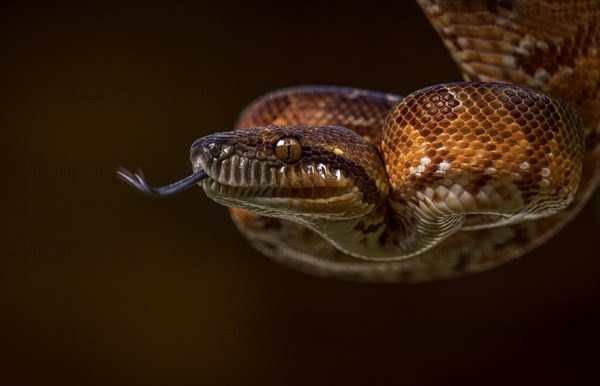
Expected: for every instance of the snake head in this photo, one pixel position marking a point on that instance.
(284, 171)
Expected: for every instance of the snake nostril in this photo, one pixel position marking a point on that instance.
(216, 141)
(214, 150)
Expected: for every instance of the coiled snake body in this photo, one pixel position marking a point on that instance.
(453, 178)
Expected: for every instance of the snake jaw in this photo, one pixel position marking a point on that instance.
(253, 185)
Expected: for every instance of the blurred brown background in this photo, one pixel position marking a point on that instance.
(102, 285)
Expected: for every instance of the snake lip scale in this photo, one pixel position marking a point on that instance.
(363, 185)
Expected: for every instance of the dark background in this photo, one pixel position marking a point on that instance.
(100, 285)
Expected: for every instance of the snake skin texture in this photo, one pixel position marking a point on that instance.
(452, 179)
(444, 150)
(520, 151)
(514, 42)
(551, 45)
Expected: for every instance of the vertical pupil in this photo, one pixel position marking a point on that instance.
(288, 150)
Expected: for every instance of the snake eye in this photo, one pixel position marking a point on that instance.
(288, 150)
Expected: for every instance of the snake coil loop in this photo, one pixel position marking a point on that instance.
(451, 179)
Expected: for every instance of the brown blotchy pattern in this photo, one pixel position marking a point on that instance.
(506, 142)
(551, 45)
(360, 110)
(480, 142)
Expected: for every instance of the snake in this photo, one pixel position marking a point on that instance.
(452, 179)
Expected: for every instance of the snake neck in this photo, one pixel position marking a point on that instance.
(386, 233)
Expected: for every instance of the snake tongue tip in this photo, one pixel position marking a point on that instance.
(124, 174)
(138, 181)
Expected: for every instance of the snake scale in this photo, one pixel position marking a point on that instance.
(452, 179)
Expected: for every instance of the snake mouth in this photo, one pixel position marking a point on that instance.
(267, 194)
(317, 201)
(240, 178)
(235, 180)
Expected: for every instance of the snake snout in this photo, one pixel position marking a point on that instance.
(207, 149)
(214, 143)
